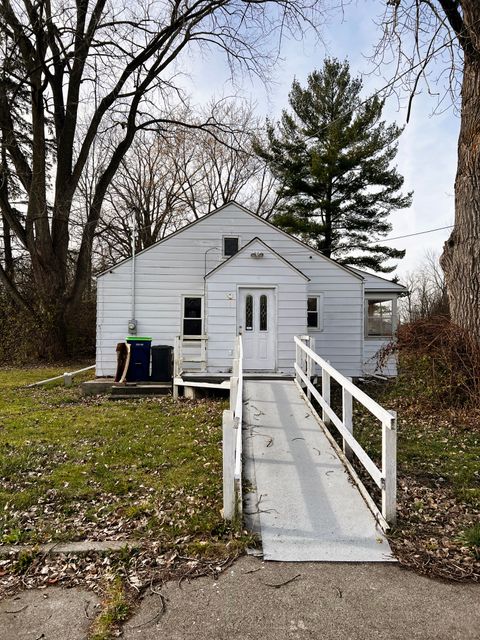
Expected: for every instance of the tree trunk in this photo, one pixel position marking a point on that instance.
(54, 332)
(461, 255)
(7, 248)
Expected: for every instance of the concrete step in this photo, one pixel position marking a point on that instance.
(141, 390)
(137, 396)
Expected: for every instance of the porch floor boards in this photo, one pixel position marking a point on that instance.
(307, 506)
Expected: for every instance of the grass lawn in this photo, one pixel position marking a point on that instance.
(73, 468)
(438, 528)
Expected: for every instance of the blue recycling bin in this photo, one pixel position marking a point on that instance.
(139, 367)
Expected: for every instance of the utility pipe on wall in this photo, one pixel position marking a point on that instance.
(132, 323)
(205, 305)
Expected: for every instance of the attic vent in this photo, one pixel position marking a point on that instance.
(230, 246)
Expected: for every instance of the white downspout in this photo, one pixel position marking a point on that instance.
(132, 323)
(205, 301)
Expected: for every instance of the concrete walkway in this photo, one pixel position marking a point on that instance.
(256, 600)
(48, 614)
(324, 602)
(308, 507)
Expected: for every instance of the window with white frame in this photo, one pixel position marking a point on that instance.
(315, 312)
(192, 316)
(230, 246)
(380, 317)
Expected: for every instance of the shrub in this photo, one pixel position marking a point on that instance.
(441, 360)
(24, 339)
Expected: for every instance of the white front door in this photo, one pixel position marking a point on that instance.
(257, 322)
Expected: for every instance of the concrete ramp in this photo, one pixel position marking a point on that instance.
(307, 505)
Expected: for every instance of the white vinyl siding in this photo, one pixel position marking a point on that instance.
(372, 364)
(177, 266)
(222, 298)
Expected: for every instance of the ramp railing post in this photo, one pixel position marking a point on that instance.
(228, 445)
(297, 362)
(325, 394)
(347, 418)
(233, 391)
(203, 354)
(389, 468)
(310, 365)
(177, 364)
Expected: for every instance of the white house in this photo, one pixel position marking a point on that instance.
(232, 271)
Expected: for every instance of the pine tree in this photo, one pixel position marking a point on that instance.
(332, 156)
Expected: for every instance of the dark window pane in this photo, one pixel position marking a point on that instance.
(312, 304)
(312, 319)
(192, 327)
(230, 246)
(193, 308)
(263, 313)
(249, 313)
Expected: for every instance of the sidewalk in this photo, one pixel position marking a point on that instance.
(325, 602)
(322, 601)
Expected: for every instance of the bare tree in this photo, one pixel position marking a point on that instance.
(112, 65)
(172, 177)
(447, 33)
(427, 291)
(146, 194)
(226, 167)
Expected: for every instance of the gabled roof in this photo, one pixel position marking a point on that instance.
(248, 246)
(254, 215)
(381, 284)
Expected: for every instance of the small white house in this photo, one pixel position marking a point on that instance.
(232, 271)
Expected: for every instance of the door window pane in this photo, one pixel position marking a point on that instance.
(248, 313)
(263, 312)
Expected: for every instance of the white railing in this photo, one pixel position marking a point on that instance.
(232, 439)
(386, 477)
(183, 357)
(67, 377)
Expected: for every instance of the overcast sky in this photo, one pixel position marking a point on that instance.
(427, 154)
